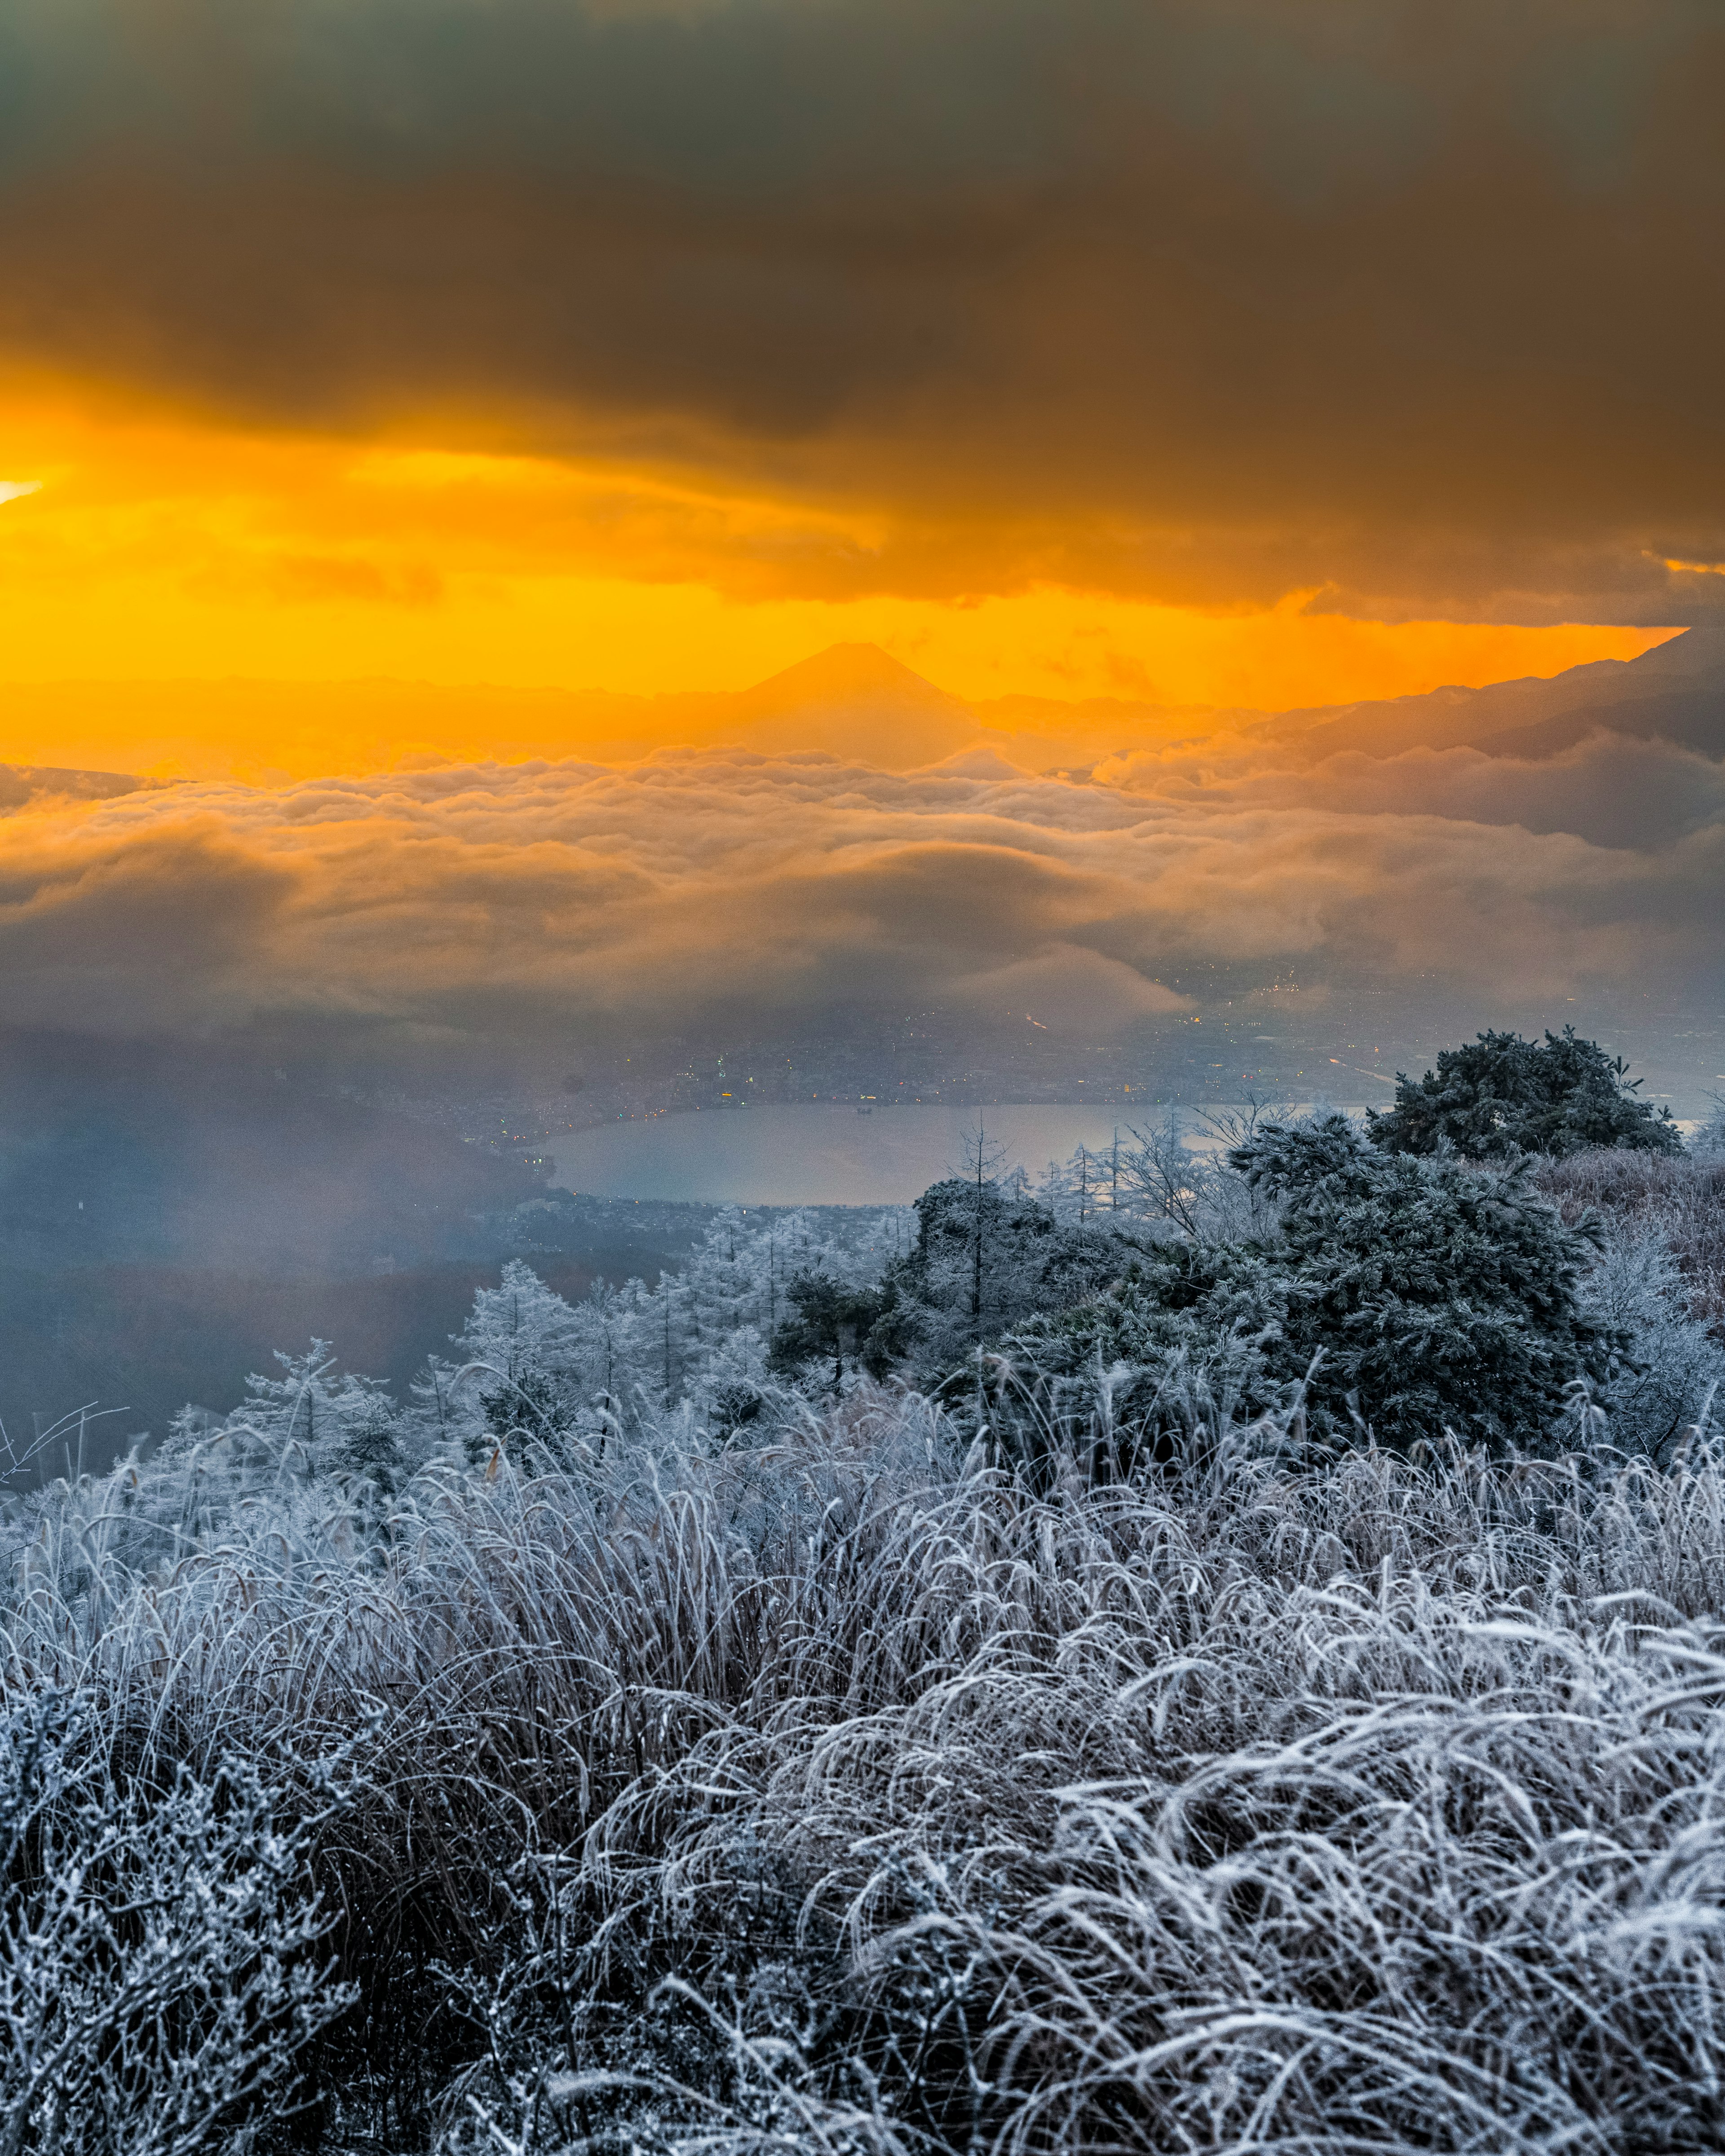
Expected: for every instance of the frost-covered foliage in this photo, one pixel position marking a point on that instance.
(1393, 1295)
(988, 1256)
(1667, 1364)
(1171, 1181)
(546, 1381)
(549, 1373)
(1661, 1275)
(160, 1954)
(838, 1792)
(831, 1324)
(1085, 1757)
(1500, 1094)
(991, 1252)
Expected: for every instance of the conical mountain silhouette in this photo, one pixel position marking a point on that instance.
(846, 671)
(854, 699)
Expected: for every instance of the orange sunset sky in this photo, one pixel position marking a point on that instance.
(1260, 354)
(152, 546)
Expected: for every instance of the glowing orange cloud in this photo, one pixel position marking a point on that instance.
(140, 546)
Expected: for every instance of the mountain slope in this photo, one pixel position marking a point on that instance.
(853, 700)
(1676, 692)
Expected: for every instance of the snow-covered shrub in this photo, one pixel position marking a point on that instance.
(1669, 1369)
(1395, 1296)
(987, 1257)
(161, 1957)
(1680, 1201)
(1500, 1094)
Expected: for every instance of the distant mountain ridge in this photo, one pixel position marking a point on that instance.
(857, 700)
(1675, 692)
(854, 700)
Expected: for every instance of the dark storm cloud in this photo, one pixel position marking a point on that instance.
(1207, 299)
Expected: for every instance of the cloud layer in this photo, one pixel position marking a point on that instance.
(1209, 303)
(415, 913)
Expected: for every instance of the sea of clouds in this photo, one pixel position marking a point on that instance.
(477, 902)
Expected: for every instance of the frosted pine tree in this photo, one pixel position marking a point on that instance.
(322, 1422)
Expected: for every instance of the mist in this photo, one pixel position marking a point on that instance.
(285, 1059)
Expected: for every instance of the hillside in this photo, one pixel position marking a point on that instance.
(1675, 692)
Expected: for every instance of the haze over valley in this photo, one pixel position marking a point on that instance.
(298, 1061)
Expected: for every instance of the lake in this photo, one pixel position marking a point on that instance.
(817, 1155)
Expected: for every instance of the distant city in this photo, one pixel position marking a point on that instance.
(1245, 1038)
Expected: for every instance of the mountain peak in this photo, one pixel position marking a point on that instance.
(848, 673)
(1692, 651)
(855, 700)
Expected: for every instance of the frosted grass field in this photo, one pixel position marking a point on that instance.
(751, 1764)
(840, 1794)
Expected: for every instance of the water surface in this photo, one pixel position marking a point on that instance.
(818, 1154)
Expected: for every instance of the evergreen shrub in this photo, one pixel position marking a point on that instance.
(1407, 1295)
(1500, 1096)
